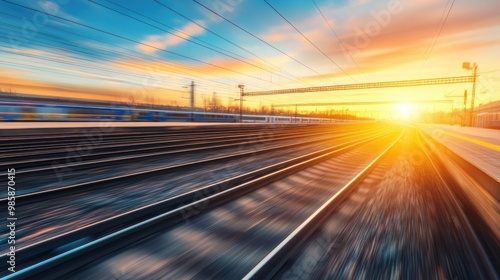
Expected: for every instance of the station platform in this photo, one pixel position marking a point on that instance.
(478, 146)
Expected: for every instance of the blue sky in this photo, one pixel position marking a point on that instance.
(91, 49)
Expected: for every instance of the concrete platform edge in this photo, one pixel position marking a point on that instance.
(490, 184)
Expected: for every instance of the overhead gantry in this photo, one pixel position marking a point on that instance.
(387, 84)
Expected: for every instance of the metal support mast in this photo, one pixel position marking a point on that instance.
(473, 67)
(465, 108)
(192, 95)
(241, 101)
(295, 113)
(473, 96)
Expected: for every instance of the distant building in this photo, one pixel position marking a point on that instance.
(487, 115)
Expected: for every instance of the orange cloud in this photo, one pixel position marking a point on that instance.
(155, 42)
(401, 41)
(276, 37)
(215, 68)
(21, 85)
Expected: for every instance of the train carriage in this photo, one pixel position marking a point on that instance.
(214, 117)
(10, 112)
(16, 111)
(254, 119)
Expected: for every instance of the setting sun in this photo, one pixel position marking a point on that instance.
(269, 139)
(404, 111)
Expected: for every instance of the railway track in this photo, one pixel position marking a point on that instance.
(18, 147)
(74, 136)
(50, 156)
(105, 147)
(280, 221)
(133, 150)
(339, 241)
(89, 195)
(44, 146)
(215, 195)
(61, 198)
(44, 193)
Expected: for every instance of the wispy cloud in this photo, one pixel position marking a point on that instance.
(394, 43)
(22, 85)
(155, 42)
(223, 8)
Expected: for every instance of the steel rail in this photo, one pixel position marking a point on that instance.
(51, 193)
(148, 146)
(142, 130)
(119, 238)
(60, 143)
(273, 261)
(9, 144)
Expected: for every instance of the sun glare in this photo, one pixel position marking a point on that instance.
(403, 111)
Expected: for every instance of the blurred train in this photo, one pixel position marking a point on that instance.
(16, 111)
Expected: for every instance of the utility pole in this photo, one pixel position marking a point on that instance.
(473, 67)
(192, 95)
(474, 75)
(241, 101)
(295, 113)
(214, 102)
(465, 108)
(463, 117)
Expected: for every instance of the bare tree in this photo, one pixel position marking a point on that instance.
(206, 102)
(7, 90)
(264, 109)
(216, 104)
(132, 99)
(152, 100)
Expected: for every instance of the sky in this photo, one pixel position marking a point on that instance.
(150, 51)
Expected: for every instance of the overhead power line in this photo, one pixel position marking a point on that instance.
(178, 36)
(258, 38)
(53, 40)
(436, 34)
(336, 36)
(263, 61)
(305, 37)
(137, 42)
